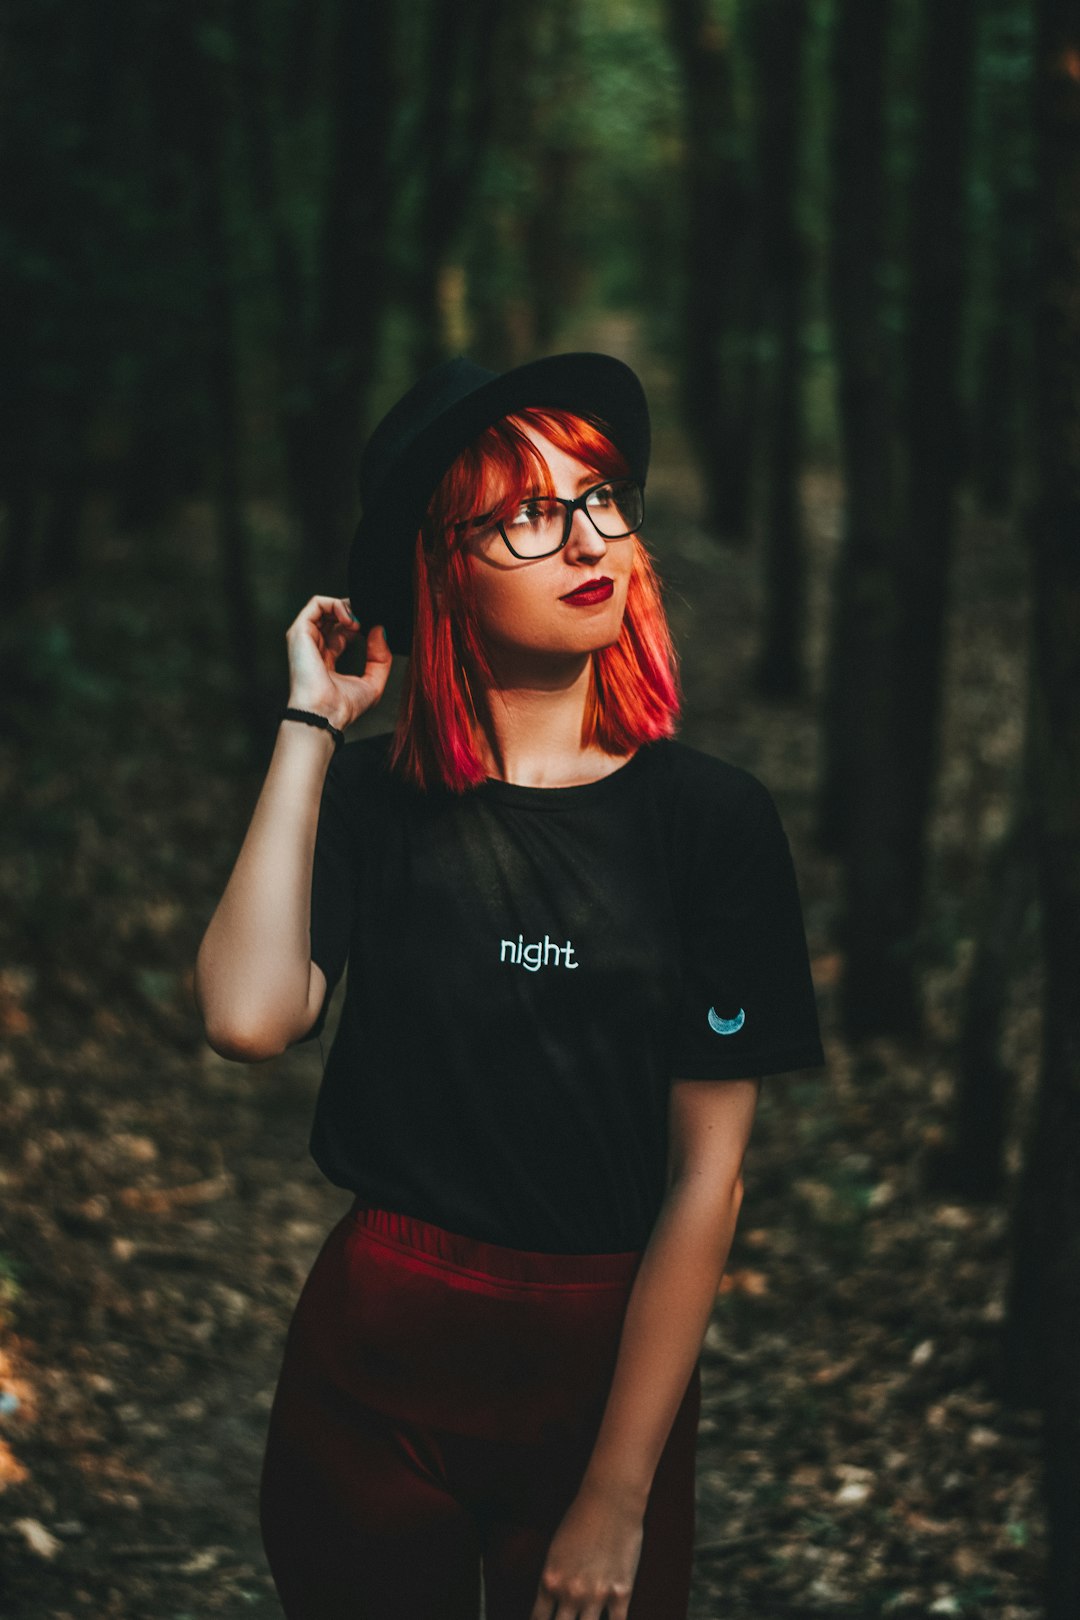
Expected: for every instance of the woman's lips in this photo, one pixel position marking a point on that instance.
(594, 590)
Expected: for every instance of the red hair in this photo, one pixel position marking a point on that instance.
(633, 695)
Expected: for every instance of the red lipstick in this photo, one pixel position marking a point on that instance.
(593, 590)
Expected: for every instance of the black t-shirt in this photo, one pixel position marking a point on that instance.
(529, 969)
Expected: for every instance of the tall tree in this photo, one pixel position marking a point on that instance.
(1043, 1317)
(168, 437)
(459, 100)
(999, 416)
(719, 363)
(779, 34)
(887, 785)
(555, 158)
(76, 262)
(861, 586)
(934, 451)
(523, 275)
(351, 281)
(209, 82)
(328, 320)
(857, 807)
(24, 164)
(972, 1163)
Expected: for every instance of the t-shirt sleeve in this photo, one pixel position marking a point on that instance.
(748, 1006)
(334, 876)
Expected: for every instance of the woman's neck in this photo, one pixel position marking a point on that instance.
(534, 725)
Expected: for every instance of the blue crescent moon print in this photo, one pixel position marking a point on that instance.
(726, 1026)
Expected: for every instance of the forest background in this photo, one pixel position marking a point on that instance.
(840, 241)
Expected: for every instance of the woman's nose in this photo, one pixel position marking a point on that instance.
(584, 539)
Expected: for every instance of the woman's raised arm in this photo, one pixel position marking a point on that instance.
(255, 985)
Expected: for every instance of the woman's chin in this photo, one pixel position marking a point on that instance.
(598, 633)
(576, 643)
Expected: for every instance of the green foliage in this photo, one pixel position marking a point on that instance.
(580, 186)
(628, 123)
(576, 201)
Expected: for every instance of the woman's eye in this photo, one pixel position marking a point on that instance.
(528, 512)
(602, 496)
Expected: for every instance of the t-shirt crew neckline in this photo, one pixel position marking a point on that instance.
(561, 798)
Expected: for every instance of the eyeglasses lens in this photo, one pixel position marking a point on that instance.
(616, 509)
(538, 525)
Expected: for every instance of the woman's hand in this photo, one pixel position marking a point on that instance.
(315, 641)
(592, 1560)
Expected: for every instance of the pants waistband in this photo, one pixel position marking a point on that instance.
(494, 1259)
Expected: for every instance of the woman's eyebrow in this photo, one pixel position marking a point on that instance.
(477, 522)
(588, 480)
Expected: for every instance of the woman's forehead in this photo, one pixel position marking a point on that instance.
(502, 480)
(543, 467)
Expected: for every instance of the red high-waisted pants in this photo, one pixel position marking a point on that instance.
(437, 1405)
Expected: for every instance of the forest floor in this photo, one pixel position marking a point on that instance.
(160, 1211)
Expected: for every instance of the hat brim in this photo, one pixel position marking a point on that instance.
(381, 556)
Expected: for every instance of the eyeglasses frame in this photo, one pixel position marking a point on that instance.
(569, 507)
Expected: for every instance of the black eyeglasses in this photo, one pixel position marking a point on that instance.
(541, 524)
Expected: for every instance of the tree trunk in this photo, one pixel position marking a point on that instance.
(721, 282)
(858, 806)
(221, 357)
(854, 704)
(168, 442)
(70, 479)
(352, 288)
(880, 993)
(291, 316)
(554, 272)
(552, 280)
(1003, 366)
(934, 440)
(780, 27)
(65, 152)
(19, 473)
(973, 1163)
(460, 98)
(328, 327)
(522, 276)
(1043, 1324)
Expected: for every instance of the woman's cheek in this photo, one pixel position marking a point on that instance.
(516, 604)
(504, 615)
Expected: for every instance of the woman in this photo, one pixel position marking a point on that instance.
(574, 945)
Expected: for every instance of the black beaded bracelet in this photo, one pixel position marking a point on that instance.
(315, 720)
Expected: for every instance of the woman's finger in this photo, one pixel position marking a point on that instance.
(378, 648)
(377, 661)
(328, 623)
(321, 607)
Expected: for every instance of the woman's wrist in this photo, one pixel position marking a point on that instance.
(336, 716)
(629, 1497)
(320, 739)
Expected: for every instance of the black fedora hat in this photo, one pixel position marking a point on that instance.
(443, 412)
